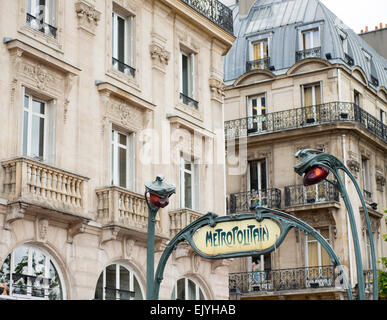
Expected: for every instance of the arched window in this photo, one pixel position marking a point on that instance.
(117, 282)
(187, 289)
(30, 273)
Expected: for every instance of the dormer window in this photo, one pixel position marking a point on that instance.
(259, 56)
(310, 44)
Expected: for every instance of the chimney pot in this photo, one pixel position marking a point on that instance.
(362, 31)
(366, 29)
(381, 25)
(376, 27)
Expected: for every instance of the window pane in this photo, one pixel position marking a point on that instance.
(110, 292)
(180, 289)
(37, 136)
(122, 167)
(188, 190)
(26, 101)
(38, 107)
(121, 41)
(55, 285)
(21, 260)
(122, 138)
(187, 165)
(137, 290)
(312, 254)
(317, 94)
(25, 133)
(201, 295)
(308, 97)
(316, 39)
(38, 263)
(191, 290)
(113, 165)
(98, 289)
(185, 75)
(263, 175)
(124, 279)
(5, 272)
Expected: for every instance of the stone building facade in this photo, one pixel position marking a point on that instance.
(97, 98)
(298, 78)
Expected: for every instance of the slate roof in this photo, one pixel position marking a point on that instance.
(281, 20)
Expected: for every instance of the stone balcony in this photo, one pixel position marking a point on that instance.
(120, 207)
(179, 219)
(32, 183)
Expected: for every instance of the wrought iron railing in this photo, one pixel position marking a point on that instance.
(349, 59)
(39, 24)
(299, 195)
(261, 64)
(188, 101)
(215, 11)
(308, 53)
(118, 294)
(284, 279)
(245, 201)
(304, 117)
(123, 67)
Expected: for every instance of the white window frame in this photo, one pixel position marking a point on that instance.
(195, 184)
(197, 288)
(365, 172)
(48, 259)
(128, 45)
(132, 275)
(259, 42)
(312, 37)
(130, 161)
(191, 73)
(49, 17)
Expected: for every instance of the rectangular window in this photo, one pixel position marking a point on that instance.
(122, 43)
(122, 163)
(383, 117)
(356, 98)
(41, 15)
(310, 39)
(189, 183)
(260, 50)
(312, 99)
(256, 112)
(187, 79)
(365, 174)
(315, 255)
(35, 128)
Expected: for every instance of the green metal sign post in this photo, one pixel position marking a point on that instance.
(311, 162)
(253, 234)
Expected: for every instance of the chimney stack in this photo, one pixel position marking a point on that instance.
(366, 29)
(381, 25)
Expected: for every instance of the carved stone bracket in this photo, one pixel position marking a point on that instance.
(75, 229)
(108, 234)
(354, 166)
(215, 264)
(159, 54)
(14, 212)
(380, 179)
(88, 16)
(217, 88)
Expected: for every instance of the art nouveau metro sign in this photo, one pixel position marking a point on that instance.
(236, 237)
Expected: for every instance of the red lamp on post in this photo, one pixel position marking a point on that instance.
(315, 175)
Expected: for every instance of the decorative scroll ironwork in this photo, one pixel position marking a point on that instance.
(284, 279)
(244, 201)
(123, 67)
(304, 117)
(309, 53)
(188, 101)
(40, 25)
(215, 11)
(261, 64)
(300, 195)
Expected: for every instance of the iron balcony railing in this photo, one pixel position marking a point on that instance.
(215, 11)
(299, 195)
(305, 117)
(245, 201)
(261, 64)
(308, 53)
(123, 67)
(284, 279)
(188, 101)
(39, 24)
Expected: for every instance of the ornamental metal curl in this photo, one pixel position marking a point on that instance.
(310, 158)
(284, 220)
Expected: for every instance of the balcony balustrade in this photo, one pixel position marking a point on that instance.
(261, 64)
(308, 53)
(305, 117)
(215, 11)
(245, 201)
(284, 279)
(32, 182)
(299, 195)
(121, 207)
(179, 219)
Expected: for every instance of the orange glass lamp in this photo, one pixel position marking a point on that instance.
(315, 175)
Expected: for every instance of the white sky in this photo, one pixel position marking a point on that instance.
(356, 14)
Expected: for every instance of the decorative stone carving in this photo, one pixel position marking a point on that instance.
(380, 179)
(42, 76)
(108, 234)
(354, 166)
(217, 88)
(42, 230)
(88, 16)
(75, 229)
(159, 53)
(14, 212)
